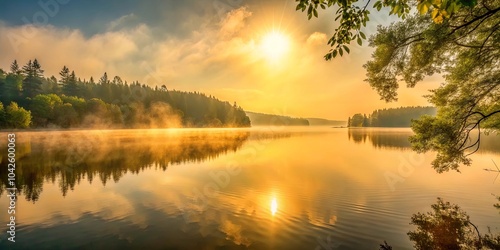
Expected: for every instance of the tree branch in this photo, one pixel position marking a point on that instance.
(476, 124)
(484, 16)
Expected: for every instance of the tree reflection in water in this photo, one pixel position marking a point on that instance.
(449, 227)
(398, 138)
(71, 156)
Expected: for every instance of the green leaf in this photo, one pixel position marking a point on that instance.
(347, 49)
(341, 52)
(360, 42)
(362, 35)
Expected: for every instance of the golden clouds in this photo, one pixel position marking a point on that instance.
(317, 38)
(234, 21)
(270, 50)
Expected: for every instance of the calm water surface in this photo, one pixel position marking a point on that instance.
(260, 188)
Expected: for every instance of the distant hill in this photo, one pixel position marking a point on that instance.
(259, 119)
(393, 117)
(326, 122)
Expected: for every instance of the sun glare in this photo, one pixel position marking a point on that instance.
(274, 45)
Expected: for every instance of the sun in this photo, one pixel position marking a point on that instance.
(274, 45)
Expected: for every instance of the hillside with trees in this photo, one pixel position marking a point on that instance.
(393, 117)
(28, 99)
(259, 119)
(325, 122)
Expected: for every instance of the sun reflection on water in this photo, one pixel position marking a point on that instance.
(274, 206)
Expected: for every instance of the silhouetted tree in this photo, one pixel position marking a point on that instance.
(14, 68)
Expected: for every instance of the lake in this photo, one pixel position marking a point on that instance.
(258, 188)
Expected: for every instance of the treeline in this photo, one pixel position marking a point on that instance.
(259, 119)
(32, 100)
(393, 117)
(325, 122)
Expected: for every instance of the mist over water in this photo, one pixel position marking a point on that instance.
(259, 188)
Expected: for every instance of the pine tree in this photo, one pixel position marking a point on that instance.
(37, 69)
(32, 79)
(14, 68)
(28, 69)
(70, 88)
(64, 73)
(104, 79)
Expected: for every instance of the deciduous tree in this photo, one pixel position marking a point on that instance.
(457, 39)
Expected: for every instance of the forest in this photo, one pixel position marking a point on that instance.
(393, 117)
(28, 99)
(325, 122)
(259, 119)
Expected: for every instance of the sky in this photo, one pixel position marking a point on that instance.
(263, 55)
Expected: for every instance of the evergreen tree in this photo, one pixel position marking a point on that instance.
(64, 73)
(12, 88)
(28, 69)
(70, 87)
(14, 68)
(104, 79)
(32, 79)
(37, 69)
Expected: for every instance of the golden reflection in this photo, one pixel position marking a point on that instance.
(71, 156)
(274, 206)
(308, 195)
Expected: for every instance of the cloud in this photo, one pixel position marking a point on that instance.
(234, 21)
(317, 38)
(123, 22)
(56, 47)
(215, 54)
